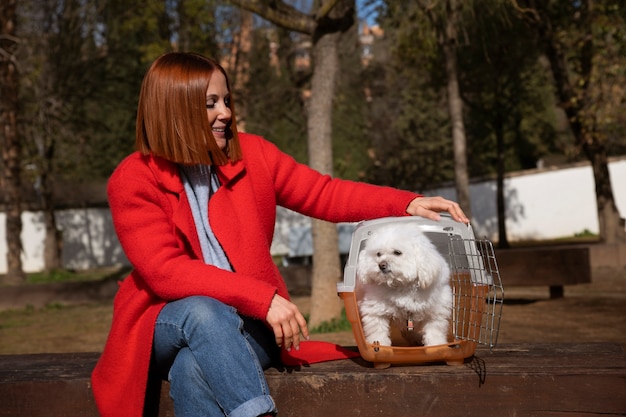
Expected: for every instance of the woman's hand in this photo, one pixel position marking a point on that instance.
(430, 207)
(287, 323)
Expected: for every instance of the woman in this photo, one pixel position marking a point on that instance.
(194, 209)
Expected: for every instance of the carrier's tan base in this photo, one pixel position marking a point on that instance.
(468, 312)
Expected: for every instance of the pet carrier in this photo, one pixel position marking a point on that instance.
(476, 288)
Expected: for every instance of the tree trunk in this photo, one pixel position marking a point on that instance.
(325, 24)
(325, 305)
(611, 224)
(503, 241)
(53, 244)
(455, 108)
(54, 238)
(577, 105)
(11, 146)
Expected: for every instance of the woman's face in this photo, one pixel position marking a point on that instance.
(218, 108)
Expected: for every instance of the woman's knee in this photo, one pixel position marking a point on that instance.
(210, 314)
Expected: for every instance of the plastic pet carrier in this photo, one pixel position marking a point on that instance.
(476, 288)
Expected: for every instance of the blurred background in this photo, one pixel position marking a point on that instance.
(515, 108)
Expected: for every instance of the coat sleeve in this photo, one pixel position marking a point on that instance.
(308, 192)
(148, 225)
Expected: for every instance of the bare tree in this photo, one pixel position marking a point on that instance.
(324, 25)
(444, 18)
(11, 147)
(577, 96)
(455, 106)
(53, 71)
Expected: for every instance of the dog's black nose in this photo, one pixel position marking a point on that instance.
(384, 267)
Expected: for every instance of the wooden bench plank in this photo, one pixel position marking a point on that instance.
(519, 379)
(47, 385)
(523, 380)
(562, 265)
(554, 267)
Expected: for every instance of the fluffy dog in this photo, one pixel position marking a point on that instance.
(403, 281)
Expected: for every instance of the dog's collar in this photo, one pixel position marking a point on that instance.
(409, 324)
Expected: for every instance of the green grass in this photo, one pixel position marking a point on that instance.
(16, 318)
(67, 275)
(585, 234)
(334, 325)
(55, 328)
(62, 275)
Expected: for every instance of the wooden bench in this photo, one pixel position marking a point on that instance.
(554, 267)
(521, 379)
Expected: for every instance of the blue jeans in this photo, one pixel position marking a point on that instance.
(214, 359)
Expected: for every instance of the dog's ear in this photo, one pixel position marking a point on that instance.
(363, 267)
(430, 264)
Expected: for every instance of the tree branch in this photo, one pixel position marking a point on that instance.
(526, 12)
(325, 9)
(280, 14)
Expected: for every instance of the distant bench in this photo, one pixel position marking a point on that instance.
(550, 266)
(554, 267)
(519, 379)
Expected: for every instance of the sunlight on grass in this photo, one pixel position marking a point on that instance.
(340, 325)
(64, 275)
(55, 328)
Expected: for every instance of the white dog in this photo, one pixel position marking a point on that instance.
(403, 281)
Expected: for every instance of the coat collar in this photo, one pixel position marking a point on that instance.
(230, 172)
(168, 174)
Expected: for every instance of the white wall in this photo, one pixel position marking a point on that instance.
(541, 204)
(88, 240)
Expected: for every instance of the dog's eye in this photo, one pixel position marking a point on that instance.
(379, 254)
(397, 252)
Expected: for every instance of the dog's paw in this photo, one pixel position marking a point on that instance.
(382, 340)
(435, 337)
(373, 333)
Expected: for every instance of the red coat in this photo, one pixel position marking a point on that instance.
(155, 227)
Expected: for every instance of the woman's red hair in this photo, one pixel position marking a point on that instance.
(172, 120)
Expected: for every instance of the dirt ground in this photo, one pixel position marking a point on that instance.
(593, 312)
